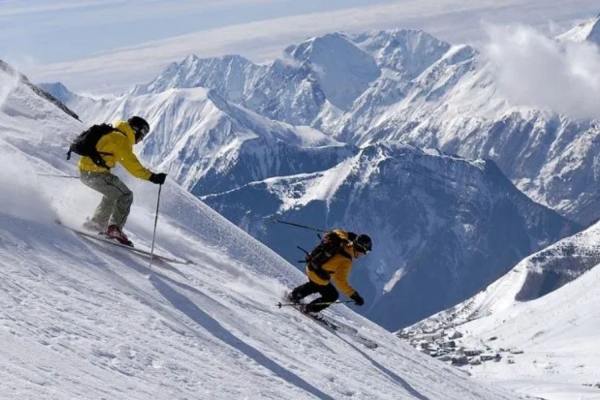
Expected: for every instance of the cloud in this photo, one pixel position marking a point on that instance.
(13, 8)
(16, 8)
(8, 82)
(535, 70)
(21, 197)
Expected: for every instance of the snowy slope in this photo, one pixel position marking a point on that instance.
(11, 76)
(557, 339)
(410, 201)
(82, 320)
(540, 319)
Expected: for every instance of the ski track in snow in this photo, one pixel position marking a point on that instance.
(82, 319)
(93, 325)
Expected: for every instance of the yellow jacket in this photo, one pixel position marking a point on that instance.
(118, 146)
(338, 266)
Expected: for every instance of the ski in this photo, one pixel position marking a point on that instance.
(348, 330)
(336, 327)
(145, 253)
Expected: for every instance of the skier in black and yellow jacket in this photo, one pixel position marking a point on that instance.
(332, 261)
(116, 147)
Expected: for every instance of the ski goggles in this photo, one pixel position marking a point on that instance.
(140, 133)
(143, 131)
(361, 249)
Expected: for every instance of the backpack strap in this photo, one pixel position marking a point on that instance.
(319, 271)
(344, 253)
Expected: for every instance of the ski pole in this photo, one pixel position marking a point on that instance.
(280, 304)
(310, 228)
(155, 224)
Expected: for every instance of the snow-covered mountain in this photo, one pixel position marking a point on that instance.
(314, 82)
(340, 69)
(81, 102)
(410, 201)
(214, 145)
(233, 156)
(455, 105)
(79, 319)
(536, 323)
(586, 31)
(230, 76)
(407, 86)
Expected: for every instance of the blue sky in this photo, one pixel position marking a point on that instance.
(109, 45)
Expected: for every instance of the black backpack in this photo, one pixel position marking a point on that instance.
(330, 245)
(85, 143)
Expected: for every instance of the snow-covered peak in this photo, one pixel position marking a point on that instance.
(315, 81)
(313, 49)
(405, 50)
(228, 75)
(594, 35)
(58, 90)
(342, 69)
(586, 31)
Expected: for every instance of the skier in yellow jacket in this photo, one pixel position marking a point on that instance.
(116, 147)
(331, 261)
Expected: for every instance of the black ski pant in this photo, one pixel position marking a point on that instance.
(328, 293)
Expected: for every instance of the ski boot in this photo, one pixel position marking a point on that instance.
(306, 309)
(289, 296)
(114, 232)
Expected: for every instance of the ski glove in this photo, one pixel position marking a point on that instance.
(159, 179)
(357, 299)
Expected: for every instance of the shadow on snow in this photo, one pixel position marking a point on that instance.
(200, 317)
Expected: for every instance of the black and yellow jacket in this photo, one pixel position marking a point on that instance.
(337, 267)
(117, 146)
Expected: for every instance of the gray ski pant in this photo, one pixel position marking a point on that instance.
(116, 201)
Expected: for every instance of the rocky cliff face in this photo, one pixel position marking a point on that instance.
(442, 226)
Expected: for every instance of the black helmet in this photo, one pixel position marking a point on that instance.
(363, 243)
(139, 126)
